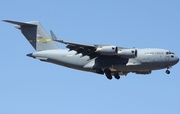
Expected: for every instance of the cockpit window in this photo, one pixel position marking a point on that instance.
(169, 52)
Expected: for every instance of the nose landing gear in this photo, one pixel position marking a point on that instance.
(167, 71)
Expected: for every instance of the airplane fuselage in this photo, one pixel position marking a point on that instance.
(146, 60)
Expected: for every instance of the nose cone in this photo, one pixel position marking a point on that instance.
(176, 60)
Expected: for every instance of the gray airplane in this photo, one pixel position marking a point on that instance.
(102, 59)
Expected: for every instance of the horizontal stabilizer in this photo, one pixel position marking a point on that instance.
(19, 23)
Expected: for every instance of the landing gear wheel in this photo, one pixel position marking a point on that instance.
(108, 73)
(167, 72)
(116, 75)
(109, 77)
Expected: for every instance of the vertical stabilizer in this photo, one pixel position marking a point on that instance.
(35, 34)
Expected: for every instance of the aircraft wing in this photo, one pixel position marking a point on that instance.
(96, 50)
(84, 49)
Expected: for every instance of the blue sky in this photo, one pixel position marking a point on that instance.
(32, 87)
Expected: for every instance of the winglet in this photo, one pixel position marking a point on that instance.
(53, 36)
(66, 42)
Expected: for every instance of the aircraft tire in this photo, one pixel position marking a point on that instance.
(108, 73)
(167, 72)
(117, 77)
(108, 76)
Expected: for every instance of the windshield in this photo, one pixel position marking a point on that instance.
(169, 52)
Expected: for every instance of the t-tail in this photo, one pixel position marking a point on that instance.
(35, 34)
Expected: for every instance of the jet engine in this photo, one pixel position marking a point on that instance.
(127, 53)
(107, 50)
(113, 50)
(143, 72)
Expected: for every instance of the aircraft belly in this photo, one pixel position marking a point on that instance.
(71, 61)
(63, 57)
(114, 64)
(77, 61)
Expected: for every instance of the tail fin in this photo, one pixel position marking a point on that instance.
(35, 34)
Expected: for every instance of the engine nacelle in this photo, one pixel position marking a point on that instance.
(143, 72)
(107, 50)
(127, 53)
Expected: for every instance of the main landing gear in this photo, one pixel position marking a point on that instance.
(109, 74)
(116, 75)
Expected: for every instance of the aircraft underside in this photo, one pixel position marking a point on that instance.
(114, 71)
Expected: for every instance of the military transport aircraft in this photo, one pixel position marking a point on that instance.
(102, 59)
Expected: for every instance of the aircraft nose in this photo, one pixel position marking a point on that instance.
(176, 59)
